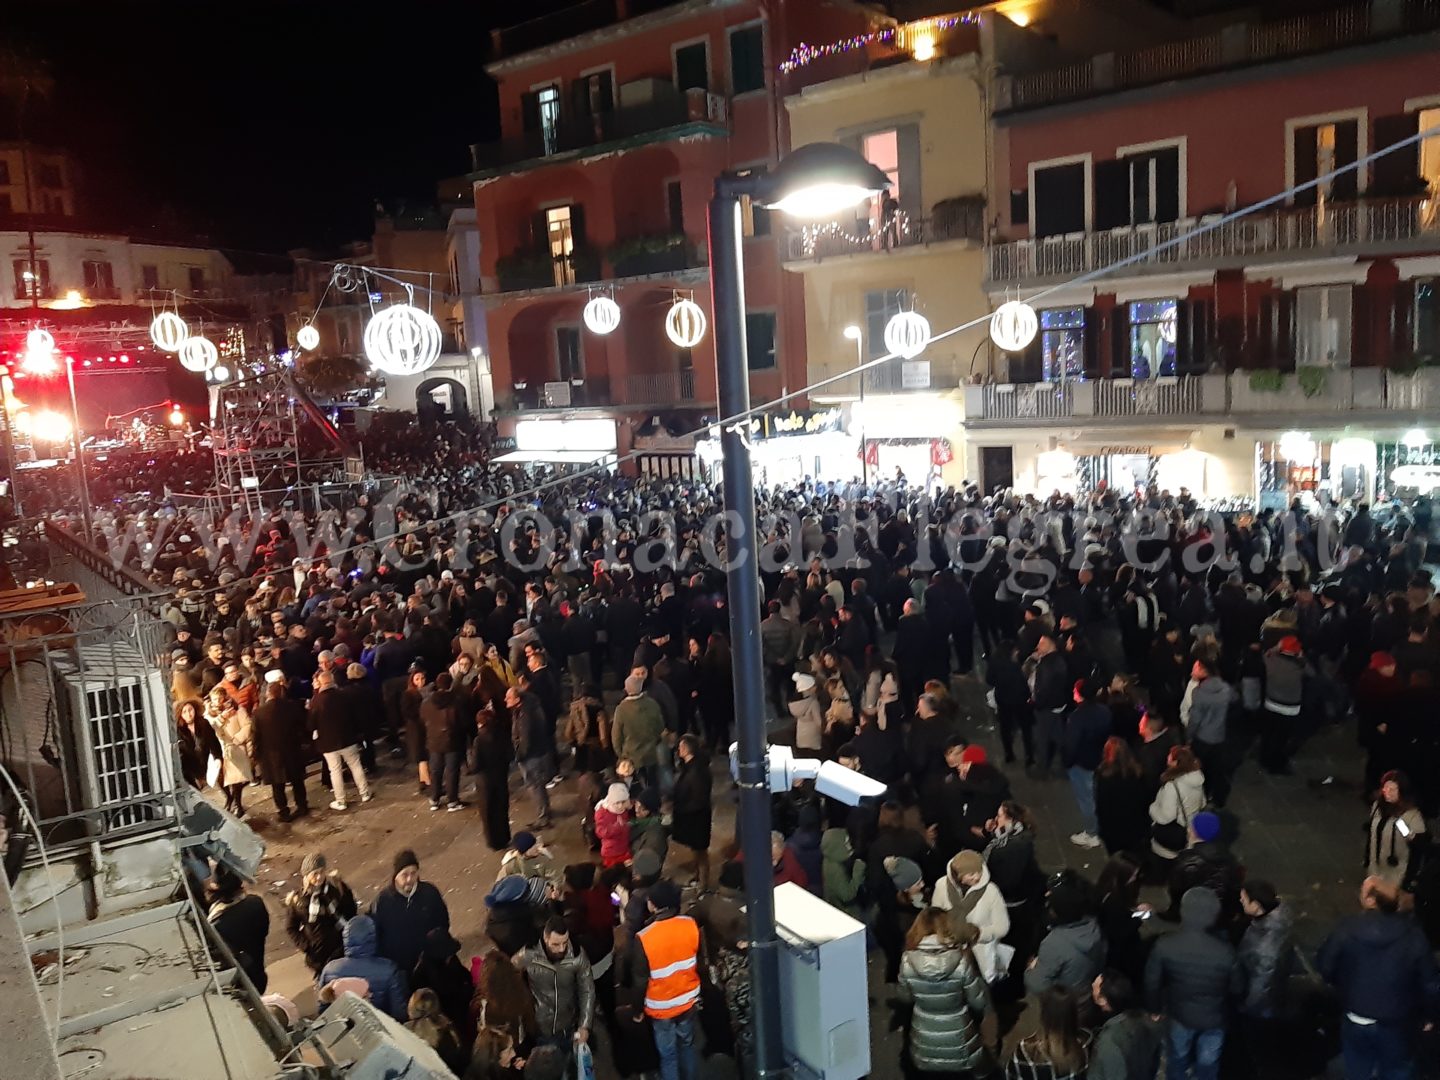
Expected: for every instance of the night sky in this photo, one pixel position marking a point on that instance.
(266, 125)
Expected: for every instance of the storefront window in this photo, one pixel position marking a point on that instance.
(1062, 343)
(1152, 338)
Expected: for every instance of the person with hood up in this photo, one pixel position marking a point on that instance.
(612, 826)
(805, 843)
(1127, 1046)
(1382, 967)
(406, 911)
(842, 873)
(967, 892)
(562, 985)
(439, 971)
(1265, 952)
(809, 719)
(1192, 978)
(1203, 713)
(316, 913)
(362, 960)
(938, 972)
(648, 830)
(510, 923)
(1073, 952)
(1284, 692)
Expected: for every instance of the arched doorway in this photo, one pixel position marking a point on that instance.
(441, 399)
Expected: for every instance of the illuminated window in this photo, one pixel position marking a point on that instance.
(1062, 343)
(1152, 338)
(561, 236)
(1322, 325)
(549, 103)
(1429, 120)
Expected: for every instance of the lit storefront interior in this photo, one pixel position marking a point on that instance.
(562, 442)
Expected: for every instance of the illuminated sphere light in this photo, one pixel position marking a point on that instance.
(907, 333)
(1297, 446)
(402, 340)
(177, 417)
(40, 340)
(685, 325)
(198, 354)
(220, 373)
(168, 331)
(1014, 325)
(1415, 439)
(602, 315)
(307, 337)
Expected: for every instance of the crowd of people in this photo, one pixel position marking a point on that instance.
(1121, 658)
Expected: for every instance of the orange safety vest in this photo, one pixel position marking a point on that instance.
(671, 948)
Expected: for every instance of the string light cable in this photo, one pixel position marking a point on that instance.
(603, 467)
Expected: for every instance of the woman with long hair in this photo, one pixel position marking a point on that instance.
(1121, 914)
(1122, 799)
(1010, 855)
(939, 974)
(1058, 1050)
(1395, 825)
(1180, 798)
(717, 692)
(414, 695)
(233, 729)
(197, 743)
(503, 1002)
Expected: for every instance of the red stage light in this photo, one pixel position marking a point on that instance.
(124, 359)
(87, 363)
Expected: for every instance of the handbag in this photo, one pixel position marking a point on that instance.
(1173, 835)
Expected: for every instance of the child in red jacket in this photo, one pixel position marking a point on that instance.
(612, 826)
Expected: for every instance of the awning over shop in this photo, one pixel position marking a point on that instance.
(554, 457)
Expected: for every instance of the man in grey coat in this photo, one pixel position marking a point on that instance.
(562, 985)
(1192, 976)
(1127, 1046)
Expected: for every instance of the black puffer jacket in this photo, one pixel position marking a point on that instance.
(1266, 953)
(1192, 974)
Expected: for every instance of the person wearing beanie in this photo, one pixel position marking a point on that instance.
(1208, 863)
(637, 728)
(612, 826)
(406, 911)
(842, 875)
(1286, 671)
(805, 843)
(316, 913)
(362, 697)
(896, 908)
(666, 957)
(967, 892)
(648, 831)
(529, 858)
(1192, 978)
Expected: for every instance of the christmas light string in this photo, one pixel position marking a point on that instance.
(805, 53)
(809, 234)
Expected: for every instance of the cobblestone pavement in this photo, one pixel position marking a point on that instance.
(1303, 834)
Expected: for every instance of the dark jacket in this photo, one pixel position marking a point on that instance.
(1127, 1047)
(278, 735)
(388, 991)
(1192, 974)
(1382, 966)
(1266, 953)
(313, 918)
(1070, 956)
(440, 714)
(564, 990)
(1083, 742)
(243, 924)
(691, 810)
(1051, 688)
(332, 722)
(401, 923)
(511, 927)
(531, 732)
(1122, 809)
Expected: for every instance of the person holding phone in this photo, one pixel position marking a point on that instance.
(1395, 826)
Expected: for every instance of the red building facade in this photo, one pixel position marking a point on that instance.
(610, 143)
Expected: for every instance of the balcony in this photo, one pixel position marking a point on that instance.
(697, 111)
(526, 270)
(1370, 226)
(920, 376)
(1230, 47)
(950, 219)
(670, 389)
(663, 253)
(1214, 397)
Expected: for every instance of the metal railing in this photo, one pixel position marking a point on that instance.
(1172, 60)
(1309, 33)
(1341, 225)
(1343, 390)
(959, 219)
(664, 388)
(1057, 84)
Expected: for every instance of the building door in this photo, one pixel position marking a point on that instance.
(997, 467)
(561, 237)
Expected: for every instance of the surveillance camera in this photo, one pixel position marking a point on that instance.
(832, 779)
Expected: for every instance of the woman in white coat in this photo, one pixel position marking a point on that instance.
(809, 720)
(232, 727)
(967, 892)
(1180, 798)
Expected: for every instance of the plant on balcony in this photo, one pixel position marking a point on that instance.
(1410, 363)
(1267, 381)
(654, 253)
(527, 269)
(1312, 379)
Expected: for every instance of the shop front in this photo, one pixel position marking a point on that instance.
(787, 448)
(1309, 466)
(913, 436)
(577, 441)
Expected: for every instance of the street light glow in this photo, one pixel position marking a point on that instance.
(821, 200)
(819, 180)
(852, 332)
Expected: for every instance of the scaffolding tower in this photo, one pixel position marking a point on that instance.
(255, 438)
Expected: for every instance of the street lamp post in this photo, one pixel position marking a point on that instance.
(816, 181)
(855, 334)
(85, 512)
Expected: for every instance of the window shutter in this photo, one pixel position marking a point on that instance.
(1059, 200)
(1167, 184)
(1091, 346)
(1305, 150)
(580, 97)
(1120, 340)
(1347, 149)
(907, 144)
(577, 224)
(1402, 319)
(539, 231)
(530, 111)
(1112, 193)
(1020, 207)
(1398, 172)
(1362, 352)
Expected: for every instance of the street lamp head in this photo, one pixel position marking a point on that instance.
(819, 180)
(852, 332)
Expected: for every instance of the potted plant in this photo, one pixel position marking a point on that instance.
(1267, 381)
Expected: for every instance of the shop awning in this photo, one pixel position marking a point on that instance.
(555, 457)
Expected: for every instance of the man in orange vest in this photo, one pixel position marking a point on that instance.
(665, 965)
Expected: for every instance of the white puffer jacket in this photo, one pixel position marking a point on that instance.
(989, 915)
